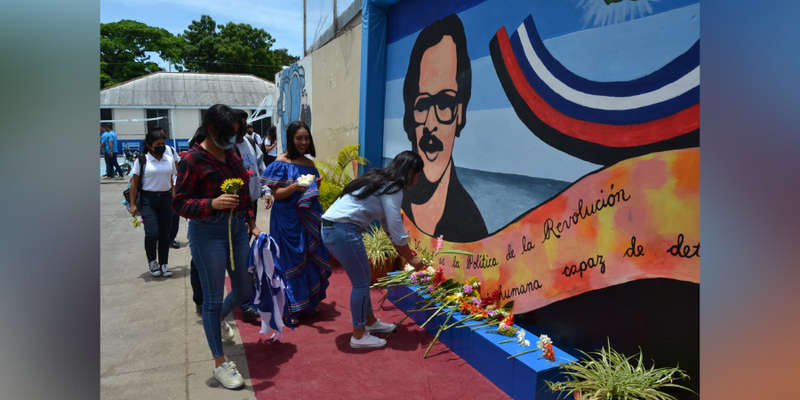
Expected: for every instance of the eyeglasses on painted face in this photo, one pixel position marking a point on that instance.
(444, 105)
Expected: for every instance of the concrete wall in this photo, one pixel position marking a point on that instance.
(185, 122)
(129, 130)
(336, 81)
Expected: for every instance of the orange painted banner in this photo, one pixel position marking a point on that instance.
(637, 219)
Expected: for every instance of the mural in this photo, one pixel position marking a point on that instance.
(575, 179)
(294, 98)
(581, 143)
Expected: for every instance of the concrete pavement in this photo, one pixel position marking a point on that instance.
(152, 342)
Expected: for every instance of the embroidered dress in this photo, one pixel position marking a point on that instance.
(269, 296)
(295, 225)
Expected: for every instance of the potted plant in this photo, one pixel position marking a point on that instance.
(336, 174)
(608, 374)
(381, 252)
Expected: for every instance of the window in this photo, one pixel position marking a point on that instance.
(261, 126)
(107, 115)
(163, 122)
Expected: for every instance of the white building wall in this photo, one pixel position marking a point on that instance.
(129, 130)
(185, 122)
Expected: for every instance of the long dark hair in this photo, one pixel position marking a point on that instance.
(272, 134)
(396, 176)
(151, 138)
(291, 151)
(221, 117)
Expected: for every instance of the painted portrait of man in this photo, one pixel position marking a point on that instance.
(436, 92)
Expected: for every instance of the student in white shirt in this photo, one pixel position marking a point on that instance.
(270, 146)
(378, 194)
(176, 219)
(154, 183)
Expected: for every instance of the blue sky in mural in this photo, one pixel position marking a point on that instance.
(619, 52)
(554, 17)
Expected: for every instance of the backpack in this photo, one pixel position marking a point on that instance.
(127, 193)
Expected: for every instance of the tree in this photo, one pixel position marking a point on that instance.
(229, 48)
(284, 57)
(123, 46)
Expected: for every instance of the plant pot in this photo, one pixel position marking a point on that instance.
(378, 272)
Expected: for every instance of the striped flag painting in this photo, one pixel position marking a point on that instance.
(599, 122)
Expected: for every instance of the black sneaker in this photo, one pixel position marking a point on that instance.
(175, 245)
(250, 314)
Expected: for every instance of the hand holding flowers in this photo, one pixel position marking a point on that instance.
(306, 180)
(231, 186)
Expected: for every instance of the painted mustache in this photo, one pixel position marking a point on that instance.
(429, 143)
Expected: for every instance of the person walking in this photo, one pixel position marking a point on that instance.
(104, 150)
(111, 152)
(378, 194)
(216, 218)
(270, 146)
(176, 219)
(295, 222)
(152, 180)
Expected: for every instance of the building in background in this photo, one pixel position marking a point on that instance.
(177, 100)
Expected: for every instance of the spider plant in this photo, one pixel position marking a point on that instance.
(607, 374)
(380, 250)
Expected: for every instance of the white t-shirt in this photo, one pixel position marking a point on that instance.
(157, 174)
(274, 151)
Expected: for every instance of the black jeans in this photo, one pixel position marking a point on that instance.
(173, 231)
(157, 215)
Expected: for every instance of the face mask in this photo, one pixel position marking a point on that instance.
(159, 150)
(229, 142)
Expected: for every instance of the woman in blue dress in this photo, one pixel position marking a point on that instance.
(295, 222)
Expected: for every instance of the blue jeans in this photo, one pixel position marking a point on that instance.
(208, 239)
(345, 242)
(111, 164)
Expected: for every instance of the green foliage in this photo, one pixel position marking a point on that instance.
(123, 46)
(336, 174)
(609, 375)
(379, 247)
(229, 48)
(204, 46)
(328, 193)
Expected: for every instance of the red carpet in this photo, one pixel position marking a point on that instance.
(316, 361)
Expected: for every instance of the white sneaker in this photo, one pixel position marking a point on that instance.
(154, 269)
(380, 327)
(227, 331)
(228, 375)
(367, 342)
(165, 271)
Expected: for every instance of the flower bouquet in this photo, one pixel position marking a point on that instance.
(231, 186)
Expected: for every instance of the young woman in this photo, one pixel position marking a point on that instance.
(295, 222)
(270, 146)
(199, 197)
(156, 200)
(378, 194)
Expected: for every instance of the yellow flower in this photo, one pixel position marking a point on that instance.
(231, 186)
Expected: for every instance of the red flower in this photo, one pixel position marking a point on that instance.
(509, 320)
(249, 172)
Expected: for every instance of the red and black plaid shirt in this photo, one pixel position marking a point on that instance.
(200, 177)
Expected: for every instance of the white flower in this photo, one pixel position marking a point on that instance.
(306, 180)
(459, 295)
(408, 268)
(525, 343)
(521, 336)
(431, 271)
(543, 340)
(476, 284)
